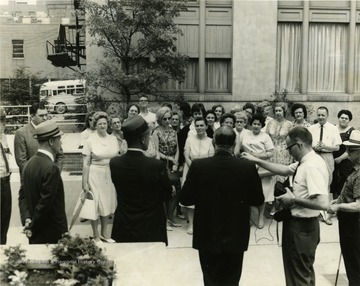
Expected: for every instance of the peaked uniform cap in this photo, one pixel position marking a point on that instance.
(46, 130)
(134, 127)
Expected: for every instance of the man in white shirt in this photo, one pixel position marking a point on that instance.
(144, 112)
(326, 140)
(309, 195)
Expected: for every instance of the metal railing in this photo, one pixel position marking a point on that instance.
(18, 118)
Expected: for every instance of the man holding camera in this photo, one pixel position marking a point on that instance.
(306, 196)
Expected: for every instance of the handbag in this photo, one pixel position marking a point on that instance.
(88, 210)
(174, 176)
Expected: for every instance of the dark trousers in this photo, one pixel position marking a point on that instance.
(299, 241)
(221, 269)
(349, 232)
(5, 208)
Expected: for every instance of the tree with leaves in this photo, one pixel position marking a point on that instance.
(23, 88)
(138, 40)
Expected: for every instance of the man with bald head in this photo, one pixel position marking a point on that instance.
(222, 188)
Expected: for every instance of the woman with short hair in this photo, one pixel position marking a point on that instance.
(219, 111)
(211, 119)
(299, 112)
(196, 147)
(258, 144)
(169, 153)
(99, 148)
(343, 166)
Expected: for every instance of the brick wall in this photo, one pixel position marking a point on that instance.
(73, 162)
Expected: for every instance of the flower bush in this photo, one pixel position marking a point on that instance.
(81, 259)
(75, 261)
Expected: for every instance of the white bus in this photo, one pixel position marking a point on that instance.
(53, 88)
(60, 95)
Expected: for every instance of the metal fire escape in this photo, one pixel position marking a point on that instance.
(69, 49)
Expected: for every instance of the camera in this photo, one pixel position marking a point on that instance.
(279, 189)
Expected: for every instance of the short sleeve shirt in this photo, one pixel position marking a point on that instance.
(311, 179)
(256, 143)
(331, 136)
(101, 150)
(149, 117)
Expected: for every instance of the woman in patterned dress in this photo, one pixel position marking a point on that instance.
(99, 148)
(278, 128)
(169, 153)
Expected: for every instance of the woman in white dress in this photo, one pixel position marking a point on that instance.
(258, 144)
(196, 146)
(99, 148)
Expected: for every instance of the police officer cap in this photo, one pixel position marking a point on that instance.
(134, 127)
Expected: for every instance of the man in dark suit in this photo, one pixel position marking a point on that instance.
(44, 189)
(142, 185)
(26, 146)
(222, 188)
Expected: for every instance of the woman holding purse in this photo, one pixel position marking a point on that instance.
(99, 148)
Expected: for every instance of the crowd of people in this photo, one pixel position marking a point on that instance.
(144, 172)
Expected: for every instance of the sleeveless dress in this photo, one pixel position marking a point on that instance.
(101, 151)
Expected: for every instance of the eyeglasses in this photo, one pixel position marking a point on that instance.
(240, 121)
(292, 145)
(166, 118)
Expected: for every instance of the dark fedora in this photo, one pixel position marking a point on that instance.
(46, 130)
(134, 127)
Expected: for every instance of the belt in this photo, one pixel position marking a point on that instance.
(5, 179)
(323, 152)
(303, 218)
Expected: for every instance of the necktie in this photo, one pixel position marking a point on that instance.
(321, 132)
(293, 178)
(5, 158)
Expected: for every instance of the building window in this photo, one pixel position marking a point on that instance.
(288, 57)
(218, 75)
(328, 46)
(191, 81)
(18, 49)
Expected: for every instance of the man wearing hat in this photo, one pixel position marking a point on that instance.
(347, 207)
(5, 180)
(44, 189)
(26, 146)
(142, 185)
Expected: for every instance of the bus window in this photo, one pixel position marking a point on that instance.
(70, 89)
(61, 89)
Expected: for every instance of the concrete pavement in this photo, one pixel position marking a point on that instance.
(179, 263)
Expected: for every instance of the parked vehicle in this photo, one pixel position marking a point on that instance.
(62, 96)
